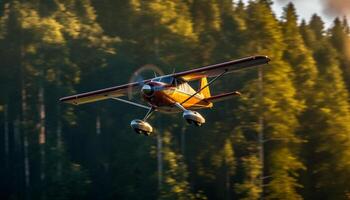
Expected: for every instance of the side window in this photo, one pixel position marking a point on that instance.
(181, 87)
(167, 79)
(156, 79)
(174, 83)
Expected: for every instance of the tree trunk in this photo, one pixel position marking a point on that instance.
(25, 139)
(98, 125)
(42, 137)
(6, 136)
(183, 141)
(160, 159)
(59, 145)
(261, 132)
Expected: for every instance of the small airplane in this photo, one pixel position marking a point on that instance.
(171, 93)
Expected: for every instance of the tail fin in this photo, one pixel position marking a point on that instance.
(205, 92)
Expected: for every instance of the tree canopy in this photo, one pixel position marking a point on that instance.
(286, 137)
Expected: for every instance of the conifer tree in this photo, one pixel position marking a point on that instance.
(41, 59)
(340, 39)
(287, 137)
(308, 35)
(207, 23)
(176, 185)
(229, 39)
(305, 75)
(250, 188)
(297, 55)
(166, 30)
(328, 138)
(317, 24)
(276, 108)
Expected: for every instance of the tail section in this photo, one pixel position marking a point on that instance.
(222, 97)
(206, 91)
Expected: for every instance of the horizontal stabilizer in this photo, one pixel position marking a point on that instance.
(222, 97)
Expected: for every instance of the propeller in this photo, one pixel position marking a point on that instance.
(143, 73)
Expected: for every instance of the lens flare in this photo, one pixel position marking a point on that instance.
(337, 7)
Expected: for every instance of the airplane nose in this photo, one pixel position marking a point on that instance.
(147, 90)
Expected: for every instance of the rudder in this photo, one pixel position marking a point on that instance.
(206, 91)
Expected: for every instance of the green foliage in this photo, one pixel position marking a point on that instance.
(297, 55)
(273, 99)
(329, 144)
(250, 188)
(176, 185)
(287, 137)
(340, 40)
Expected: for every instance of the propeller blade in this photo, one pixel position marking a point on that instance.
(141, 74)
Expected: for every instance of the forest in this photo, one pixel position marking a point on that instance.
(287, 137)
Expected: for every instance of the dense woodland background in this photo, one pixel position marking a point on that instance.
(287, 137)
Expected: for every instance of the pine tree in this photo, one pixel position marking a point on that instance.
(229, 39)
(308, 35)
(317, 24)
(305, 78)
(176, 185)
(340, 39)
(332, 141)
(328, 139)
(41, 39)
(275, 107)
(250, 188)
(165, 29)
(297, 55)
(207, 23)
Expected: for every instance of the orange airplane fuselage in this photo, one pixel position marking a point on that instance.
(164, 97)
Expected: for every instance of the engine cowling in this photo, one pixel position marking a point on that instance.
(141, 127)
(147, 90)
(193, 117)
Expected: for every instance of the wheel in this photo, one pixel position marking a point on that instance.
(138, 131)
(146, 133)
(197, 124)
(141, 127)
(189, 121)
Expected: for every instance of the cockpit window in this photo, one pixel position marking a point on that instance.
(166, 79)
(156, 79)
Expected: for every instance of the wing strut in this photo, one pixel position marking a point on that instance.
(210, 82)
(131, 103)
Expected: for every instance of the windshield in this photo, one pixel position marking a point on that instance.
(165, 79)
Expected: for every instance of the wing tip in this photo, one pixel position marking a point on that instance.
(64, 99)
(266, 58)
(68, 100)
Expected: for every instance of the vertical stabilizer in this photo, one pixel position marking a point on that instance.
(206, 91)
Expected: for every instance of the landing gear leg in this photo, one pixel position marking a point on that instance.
(180, 106)
(149, 113)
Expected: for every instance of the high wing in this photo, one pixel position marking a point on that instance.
(98, 95)
(217, 69)
(194, 74)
